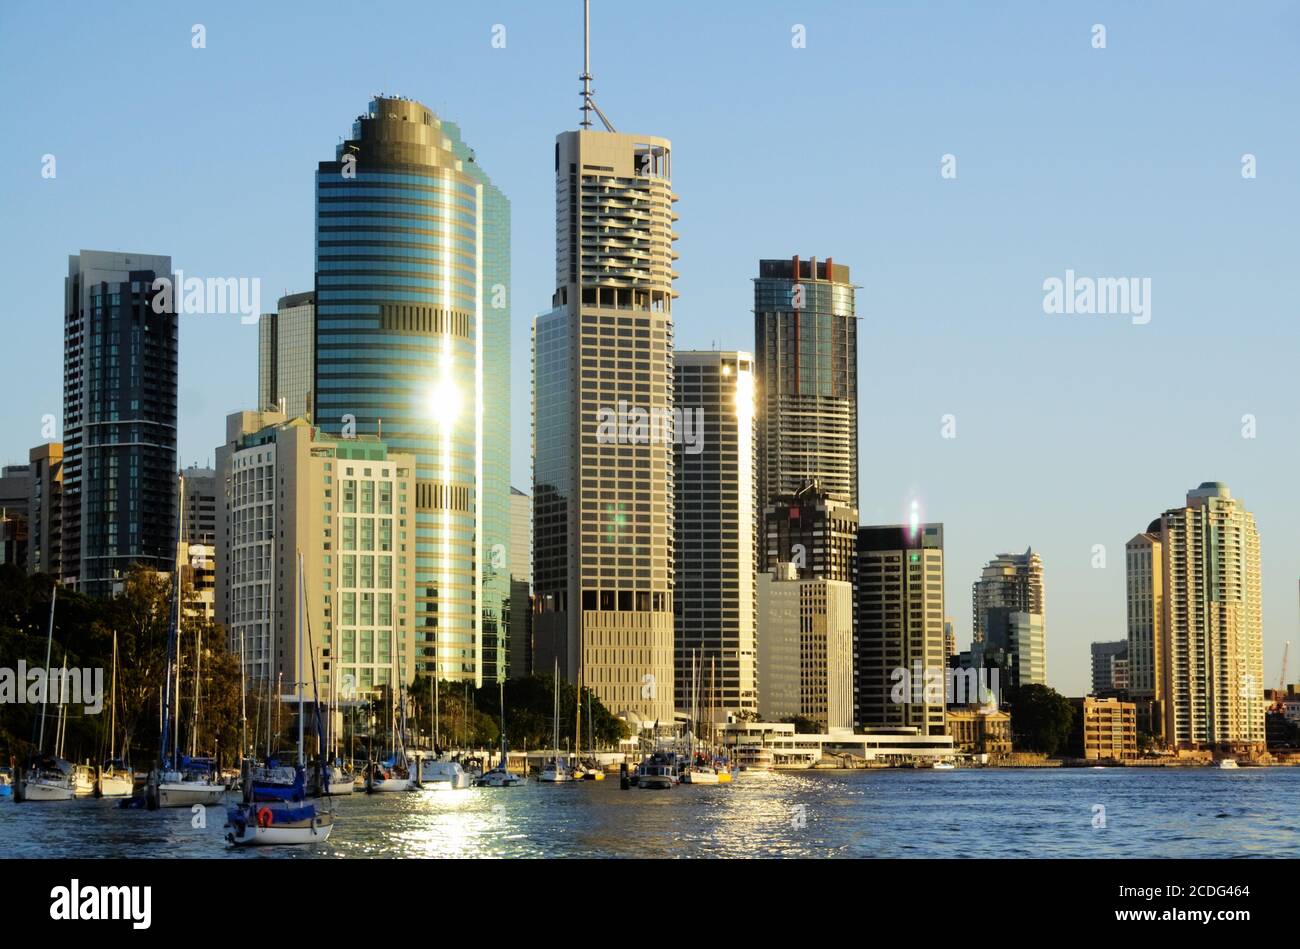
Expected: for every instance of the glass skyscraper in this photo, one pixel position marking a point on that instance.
(412, 343)
(806, 356)
(119, 417)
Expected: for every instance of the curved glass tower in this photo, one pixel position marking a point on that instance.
(412, 343)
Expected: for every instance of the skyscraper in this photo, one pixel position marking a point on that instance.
(815, 531)
(119, 419)
(806, 351)
(45, 510)
(714, 551)
(286, 355)
(412, 344)
(1008, 613)
(602, 422)
(519, 658)
(1110, 668)
(900, 627)
(1206, 590)
(1145, 568)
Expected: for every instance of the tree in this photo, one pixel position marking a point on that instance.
(802, 725)
(1040, 719)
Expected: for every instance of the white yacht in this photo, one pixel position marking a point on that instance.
(440, 774)
(1227, 764)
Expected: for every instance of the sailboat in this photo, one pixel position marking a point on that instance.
(180, 781)
(115, 778)
(556, 770)
(395, 773)
(700, 770)
(45, 777)
(500, 776)
(293, 820)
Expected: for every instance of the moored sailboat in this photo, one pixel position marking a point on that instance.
(45, 777)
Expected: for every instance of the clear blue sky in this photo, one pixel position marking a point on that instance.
(1072, 430)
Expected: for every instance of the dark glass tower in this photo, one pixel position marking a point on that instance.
(806, 352)
(119, 419)
(412, 342)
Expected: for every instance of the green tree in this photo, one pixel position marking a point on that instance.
(802, 725)
(1040, 719)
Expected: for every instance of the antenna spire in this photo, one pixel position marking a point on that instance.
(588, 101)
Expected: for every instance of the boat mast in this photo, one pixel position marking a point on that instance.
(112, 705)
(243, 702)
(301, 607)
(194, 724)
(45, 693)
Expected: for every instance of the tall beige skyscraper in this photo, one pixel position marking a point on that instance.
(286, 355)
(1202, 581)
(602, 423)
(715, 543)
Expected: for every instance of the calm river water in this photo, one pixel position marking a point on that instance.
(1144, 812)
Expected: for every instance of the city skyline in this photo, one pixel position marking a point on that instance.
(1068, 363)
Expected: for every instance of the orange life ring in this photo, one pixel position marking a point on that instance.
(265, 817)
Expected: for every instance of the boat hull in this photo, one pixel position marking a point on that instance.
(335, 788)
(700, 777)
(47, 791)
(187, 795)
(315, 831)
(115, 786)
(384, 785)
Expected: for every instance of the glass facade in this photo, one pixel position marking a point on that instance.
(119, 411)
(412, 343)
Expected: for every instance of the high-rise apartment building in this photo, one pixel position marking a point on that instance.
(1144, 578)
(45, 510)
(602, 424)
(806, 353)
(805, 648)
(286, 355)
(1010, 581)
(345, 504)
(412, 345)
(900, 613)
(1202, 580)
(119, 418)
(715, 492)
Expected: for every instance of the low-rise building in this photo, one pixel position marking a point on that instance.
(979, 730)
(1103, 729)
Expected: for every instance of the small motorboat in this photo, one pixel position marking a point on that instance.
(943, 766)
(440, 774)
(1227, 764)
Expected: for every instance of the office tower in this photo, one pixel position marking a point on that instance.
(119, 418)
(412, 344)
(341, 502)
(45, 510)
(814, 530)
(949, 639)
(15, 497)
(805, 648)
(715, 546)
(602, 432)
(286, 355)
(200, 505)
(520, 655)
(899, 633)
(1014, 641)
(1200, 587)
(1110, 668)
(806, 353)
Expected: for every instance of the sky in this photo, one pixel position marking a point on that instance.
(1122, 161)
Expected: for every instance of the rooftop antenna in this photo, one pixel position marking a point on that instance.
(589, 103)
